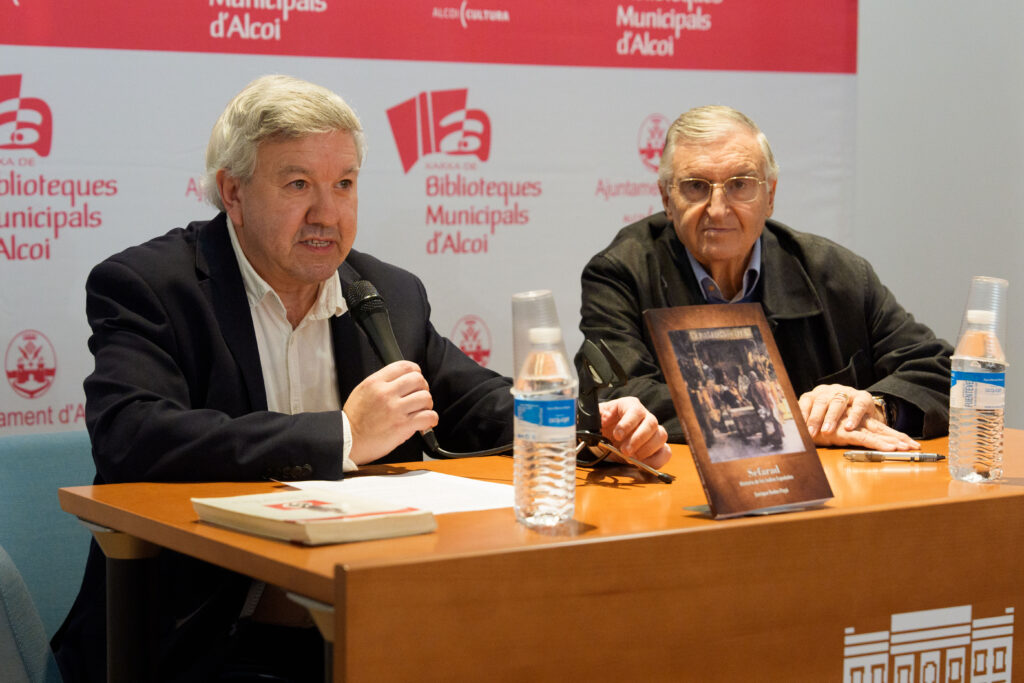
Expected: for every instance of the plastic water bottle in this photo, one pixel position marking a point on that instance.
(977, 395)
(545, 432)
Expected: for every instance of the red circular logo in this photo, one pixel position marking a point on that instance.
(651, 139)
(31, 364)
(472, 336)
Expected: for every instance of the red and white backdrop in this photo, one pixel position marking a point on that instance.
(508, 140)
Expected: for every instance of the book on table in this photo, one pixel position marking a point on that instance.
(738, 410)
(314, 517)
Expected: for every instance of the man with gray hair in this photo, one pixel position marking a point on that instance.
(866, 373)
(224, 351)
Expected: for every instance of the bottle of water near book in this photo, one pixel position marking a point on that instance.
(545, 392)
(977, 395)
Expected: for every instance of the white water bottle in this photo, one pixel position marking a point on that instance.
(545, 432)
(977, 395)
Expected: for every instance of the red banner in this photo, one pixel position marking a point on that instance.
(743, 35)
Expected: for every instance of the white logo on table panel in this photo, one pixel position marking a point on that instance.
(944, 645)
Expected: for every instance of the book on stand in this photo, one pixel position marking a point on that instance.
(738, 410)
(314, 517)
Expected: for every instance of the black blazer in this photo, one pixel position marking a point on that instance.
(832, 319)
(177, 394)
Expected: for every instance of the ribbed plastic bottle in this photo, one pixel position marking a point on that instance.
(545, 432)
(977, 398)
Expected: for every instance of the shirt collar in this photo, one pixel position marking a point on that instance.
(329, 300)
(713, 293)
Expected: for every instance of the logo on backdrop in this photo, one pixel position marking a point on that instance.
(651, 139)
(25, 122)
(31, 364)
(474, 338)
(265, 22)
(667, 27)
(36, 207)
(947, 644)
(642, 195)
(465, 14)
(464, 209)
(439, 123)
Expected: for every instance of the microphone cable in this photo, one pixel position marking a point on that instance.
(436, 449)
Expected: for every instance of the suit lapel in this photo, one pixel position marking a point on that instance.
(788, 292)
(224, 288)
(678, 283)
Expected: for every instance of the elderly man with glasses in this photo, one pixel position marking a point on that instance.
(866, 372)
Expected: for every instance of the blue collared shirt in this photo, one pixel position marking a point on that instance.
(713, 293)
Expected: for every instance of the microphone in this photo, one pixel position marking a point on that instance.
(371, 314)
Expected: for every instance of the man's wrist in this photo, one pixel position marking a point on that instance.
(347, 464)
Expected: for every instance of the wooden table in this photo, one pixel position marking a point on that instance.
(904, 570)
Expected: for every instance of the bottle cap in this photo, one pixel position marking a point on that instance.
(532, 309)
(976, 316)
(545, 335)
(535, 321)
(984, 313)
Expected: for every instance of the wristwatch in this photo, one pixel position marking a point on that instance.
(886, 408)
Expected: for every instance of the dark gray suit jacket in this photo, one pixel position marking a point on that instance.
(832, 319)
(177, 394)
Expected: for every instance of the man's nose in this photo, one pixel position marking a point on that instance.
(323, 209)
(717, 203)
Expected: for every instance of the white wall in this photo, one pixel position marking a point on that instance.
(940, 159)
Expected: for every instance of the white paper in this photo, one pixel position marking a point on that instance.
(439, 493)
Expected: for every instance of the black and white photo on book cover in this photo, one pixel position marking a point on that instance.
(735, 391)
(737, 408)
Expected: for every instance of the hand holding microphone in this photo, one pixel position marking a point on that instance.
(369, 312)
(394, 402)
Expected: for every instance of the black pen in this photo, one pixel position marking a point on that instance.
(882, 456)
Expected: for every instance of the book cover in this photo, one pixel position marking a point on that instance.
(314, 517)
(737, 408)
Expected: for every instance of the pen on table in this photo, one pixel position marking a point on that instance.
(663, 476)
(882, 456)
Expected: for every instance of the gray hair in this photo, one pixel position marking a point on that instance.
(708, 123)
(273, 107)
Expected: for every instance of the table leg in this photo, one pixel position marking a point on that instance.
(323, 617)
(131, 628)
(131, 591)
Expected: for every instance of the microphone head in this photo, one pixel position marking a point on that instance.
(363, 299)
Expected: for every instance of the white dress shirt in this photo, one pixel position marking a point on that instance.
(298, 364)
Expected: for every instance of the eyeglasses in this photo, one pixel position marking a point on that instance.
(738, 189)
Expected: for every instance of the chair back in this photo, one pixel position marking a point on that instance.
(48, 545)
(25, 655)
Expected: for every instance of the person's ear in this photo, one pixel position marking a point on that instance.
(771, 196)
(229, 188)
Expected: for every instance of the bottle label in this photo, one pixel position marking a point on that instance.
(554, 413)
(979, 390)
